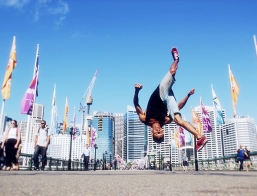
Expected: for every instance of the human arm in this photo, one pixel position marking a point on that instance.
(139, 110)
(48, 141)
(5, 136)
(35, 141)
(183, 102)
(18, 139)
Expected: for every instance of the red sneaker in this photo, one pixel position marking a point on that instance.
(201, 143)
(174, 53)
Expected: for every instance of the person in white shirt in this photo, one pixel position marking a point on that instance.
(11, 141)
(86, 154)
(42, 141)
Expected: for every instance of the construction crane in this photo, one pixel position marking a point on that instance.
(88, 101)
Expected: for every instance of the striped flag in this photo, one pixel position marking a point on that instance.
(255, 44)
(6, 87)
(65, 121)
(30, 94)
(218, 110)
(196, 122)
(207, 127)
(234, 89)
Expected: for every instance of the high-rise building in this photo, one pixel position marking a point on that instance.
(119, 133)
(103, 122)
(134, 136)
(239, 131)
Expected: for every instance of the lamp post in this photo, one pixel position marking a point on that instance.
(196, 160)
(105, 159)
(110, 160)
(95, 156)
(69, 162)
(170, 160)
(160, 160)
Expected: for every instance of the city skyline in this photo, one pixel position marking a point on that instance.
(129, 42)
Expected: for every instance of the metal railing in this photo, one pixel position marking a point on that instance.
(218, 163)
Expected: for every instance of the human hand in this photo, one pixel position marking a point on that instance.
(16, 146)
(191, 92)
(138, 86)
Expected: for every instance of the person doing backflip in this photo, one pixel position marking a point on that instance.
(162, 107)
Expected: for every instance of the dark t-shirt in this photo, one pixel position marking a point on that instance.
(156, 108)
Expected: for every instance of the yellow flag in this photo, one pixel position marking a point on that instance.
(234, 90)
(6, 87)
(65, 121)
(196, 122)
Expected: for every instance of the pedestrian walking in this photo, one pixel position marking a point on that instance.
(86, 156)
(184, 162)
(240, 156)
(11, 141)
(42, 140)
(162, 107)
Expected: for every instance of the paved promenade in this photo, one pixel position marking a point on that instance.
(128, 183)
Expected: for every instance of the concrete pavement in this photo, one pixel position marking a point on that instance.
(128, 183)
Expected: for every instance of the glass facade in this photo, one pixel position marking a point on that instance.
(104, 125)
(135, 136)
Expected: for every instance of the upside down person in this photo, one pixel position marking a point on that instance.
(162, 107)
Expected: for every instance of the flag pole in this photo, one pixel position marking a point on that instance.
(29, 117)
(53, 112)
(215, 124)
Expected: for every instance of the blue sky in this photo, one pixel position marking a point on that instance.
(130, 42)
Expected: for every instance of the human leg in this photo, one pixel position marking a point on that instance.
(202, 140)
(241, 165)
(43, 153)
(8, 154)
(86, 162)
(35, 157)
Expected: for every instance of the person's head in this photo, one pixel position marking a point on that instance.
(241, 146)
(86, 145)
(14, 123)
(43, 123)
(157, 132)
(245, 147)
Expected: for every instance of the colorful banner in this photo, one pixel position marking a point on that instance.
(176, 138)
(30, 94)
(93, 136)
(218, 110)
(196, 122)
(207, 127)
(181, 137)
(65, 121)
(29, 98)
(234, 90)
(6, 87)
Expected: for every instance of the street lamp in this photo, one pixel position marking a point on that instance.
(95, 156)
(110, 160)
(105, 159)
(170, 156)
(69, 162)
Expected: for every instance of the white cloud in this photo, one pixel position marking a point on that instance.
(62, 8)
(14, 3)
